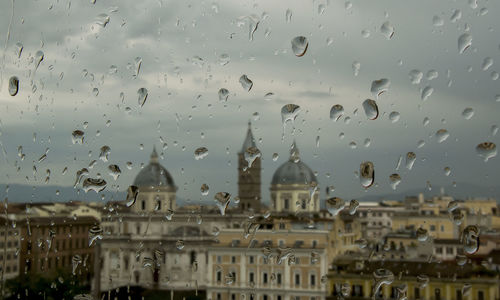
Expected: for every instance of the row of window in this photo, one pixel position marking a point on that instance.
(266, 278)
(252, 260)
(264, 297)
(65, 229)
(10, 244)
(46, 264)
(9, 269)
(10, 233)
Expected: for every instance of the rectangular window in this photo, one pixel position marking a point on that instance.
(287, 204)
(297, 279)
(439, 250)
(442, 228)
(233, 296)
(219, 296)
(480, 295)
(433, 227)
(219, 259)
(458, 294)
(278, 278)
(219, 276)
(417, 292)
(313, 280)
(264, 278)
(233, 259)
(251, 277)
(437, 294)
(251, 259)
(449, 250)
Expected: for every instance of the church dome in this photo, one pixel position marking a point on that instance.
(154, 174)
(294, 171)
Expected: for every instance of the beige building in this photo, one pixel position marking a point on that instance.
(294, 187)
(10, 239)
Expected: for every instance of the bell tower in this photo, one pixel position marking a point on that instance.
(249, 178)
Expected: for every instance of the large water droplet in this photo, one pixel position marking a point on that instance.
(394, 116)
(223, 59)
(366, 174)
(114, 171)
(97, 185)
(289, 113)
(353, 206)
(13, 86)
(442, 135)
(204, 189)
(437, 21)
(105, 151)
(415, 76)
(19, 49)
(335, 205)
(102, 19)
(251, 154)
(222, 201)
(95, 233)
(422, 234)
(470, 239)
(426, 92)
(142, 94)
(487, 63)
(132, 193)
(336, 112)
(456, 15)
(387, 30)
(38, 58)
(371, 109)
(77, 137)
(380, 86)
(137, 64)
(486, 150)
(422, 281)
(381, 277)
(223, 94)
(288, 15)
(179, 244)
(468, 113)
(246, 83)
(200, 153)
(395, 180)
(464, 42)
(411, 157)
(75, 261)
(299, 46)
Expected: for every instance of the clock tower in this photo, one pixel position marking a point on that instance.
(249, 177)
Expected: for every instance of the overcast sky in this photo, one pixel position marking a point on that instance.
(180, 44)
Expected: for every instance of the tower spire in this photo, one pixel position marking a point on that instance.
(154, 155)
(249, 140)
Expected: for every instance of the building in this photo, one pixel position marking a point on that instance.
(50, 244)
(10, 238)
(249, 177)
(294, 187)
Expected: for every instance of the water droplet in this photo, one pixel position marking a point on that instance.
(487, 63)
(137, 64)
(466, 290)
(13, 86)
(19, 49)
(411, 157)
(77, 137)
(95, 233)
(105, 151)
(142, 94)
(223, 94)
(394, 116)
(275, 156)
(269, 96)
(356, 66)
(112, 69)
(380, 86)
(75, 260)
(381, 277)
(288, 15)
(366, 174)
(102, 19)
(461, 259)
(426, 92)
(289, 113)
(395, 180)
(204, 189)
(422, 281)
(486, 150)
(200, 153)
(464, 42)
(336, 112)
(432, 74)
(422, 234)
(224, 59)
(114, 171)
(179, 244)
(371, 109)
(442, 135)
(494, 130)
(246, 83)
(251, 154)
(456, 15)
(132, 193)
(222, 201)
(437, 21)
(470, 239)
(387, 30)
(97, 185)
(353, 206)
(321, 9)
(447, 171)
(299, 46)
(415, 76)
(79, 175)
(38, 58)
(468, 113)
